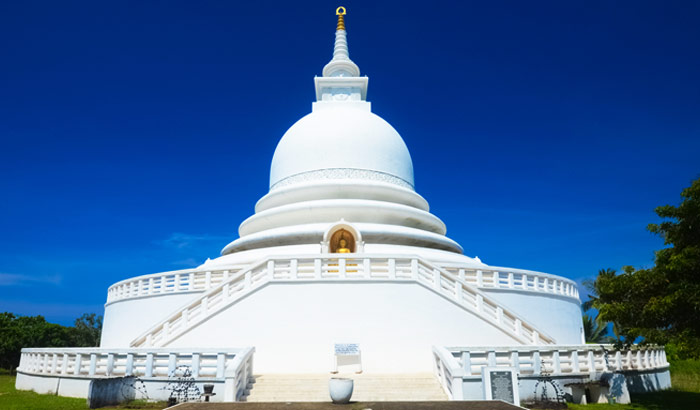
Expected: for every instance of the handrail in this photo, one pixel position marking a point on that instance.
(147, 363)
(514, 279)
(557, 360)
(333, 267)
(186, 280)
(203, 279)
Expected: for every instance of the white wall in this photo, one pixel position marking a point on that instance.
(558, 316)
(125, 320)
(294, 326)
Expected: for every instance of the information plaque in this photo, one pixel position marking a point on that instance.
(347, 349)
(347, 356)
(500, 383)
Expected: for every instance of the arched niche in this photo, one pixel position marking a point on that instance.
(338, 231)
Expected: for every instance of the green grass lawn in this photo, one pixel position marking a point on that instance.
(11, 399)
(685, 394)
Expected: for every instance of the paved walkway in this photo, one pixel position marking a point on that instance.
(384, 405)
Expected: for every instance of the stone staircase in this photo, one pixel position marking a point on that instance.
(367, 387)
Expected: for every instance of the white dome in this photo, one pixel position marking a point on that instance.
(342, 140)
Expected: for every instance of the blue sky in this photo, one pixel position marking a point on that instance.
(136, 136)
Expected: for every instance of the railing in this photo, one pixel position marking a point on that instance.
(99, 362)
(334, 267)
(453, 364)
(514, 279)
(193, 280)
(187, 280)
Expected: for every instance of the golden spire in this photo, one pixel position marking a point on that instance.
(340, 12)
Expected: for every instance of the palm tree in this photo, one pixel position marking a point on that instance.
(596, 328)
(594, 332)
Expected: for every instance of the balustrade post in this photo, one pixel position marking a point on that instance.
(220, 363)
(78, 364)
(436, 280)
(93, 364)
(317, 268)
(367, 264)
(535, 337)
(639, 360)
(618, 360)
(64, 364)
(496, 278)
(515, 360)
(536, 363)
(458, 291)
(591, 364)
(45, 368)
(149, 365)
(524, 284)
(546, 285)
(466, 363)
(172, 364)
(414, 269)
(270, 272)
(54, 363)
(110, 364)
(149, 340)
(576, 367)
(479, 278)
(341, 267)
(461, 274)
(510, 280)
(479, 303)
(207, 280)
(499, 315)
(628, 357)
(491, 357)
(557, 362)
(646, 359)
(392, 268)
(191, 285)
(518, 326)
(195, 365)
(129, 371)
(294, 267)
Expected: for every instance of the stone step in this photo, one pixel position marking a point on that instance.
(367, 387)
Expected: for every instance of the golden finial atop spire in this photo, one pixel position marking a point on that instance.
(340, 12)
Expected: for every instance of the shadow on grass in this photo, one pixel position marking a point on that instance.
(667, 400)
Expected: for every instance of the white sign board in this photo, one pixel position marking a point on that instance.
(347, 349)
(500, 383)
(347, 356)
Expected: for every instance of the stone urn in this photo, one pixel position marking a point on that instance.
(340, 389)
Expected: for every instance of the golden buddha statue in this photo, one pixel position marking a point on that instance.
(342, 246)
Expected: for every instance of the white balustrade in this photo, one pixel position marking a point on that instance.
(501, 278)
(557, 360)
(193, 280)
(99, 362)
(333, 267)
(187, 280)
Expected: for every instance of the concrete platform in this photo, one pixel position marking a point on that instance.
(386, 405)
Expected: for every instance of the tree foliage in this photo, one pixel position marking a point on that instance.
(660, 304)
(17, 332)
(594, 331)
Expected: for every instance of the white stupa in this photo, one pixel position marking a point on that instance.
(343, 253)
